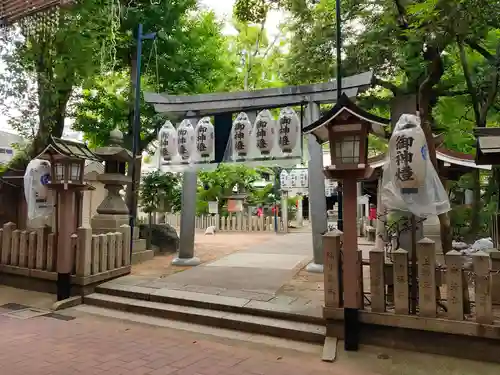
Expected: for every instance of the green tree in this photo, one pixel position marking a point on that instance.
(219, 184)
(42, 70)
(160, 192)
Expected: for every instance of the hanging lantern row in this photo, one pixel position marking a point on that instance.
(265, 139)
(266, 135)
(186, 143)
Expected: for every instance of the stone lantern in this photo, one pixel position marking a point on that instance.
(113, 211)
(346, 128)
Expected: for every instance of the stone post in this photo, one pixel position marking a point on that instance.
(426, 254)
(481, 263)
(317, 212)
(401, 286)
(84, 252)
(377, 281)
(454, 285)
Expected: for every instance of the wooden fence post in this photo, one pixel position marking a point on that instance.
(14, 255)
(426, 254)
(483, 285)
(51, 252)
(84, 252)
(400, 270)
(8, 228)
(454, 285)
(331, 251)
(125, 229)
(377, 280)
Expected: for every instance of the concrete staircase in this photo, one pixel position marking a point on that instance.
(139, 252)
(210, 310)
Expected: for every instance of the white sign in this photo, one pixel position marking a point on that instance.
(213, 207)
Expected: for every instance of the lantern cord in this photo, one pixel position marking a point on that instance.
(155, 49)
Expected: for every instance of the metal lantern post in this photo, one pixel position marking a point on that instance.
(137, 129)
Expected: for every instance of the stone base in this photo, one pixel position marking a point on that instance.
(186, 262)
(108, 223)
(314, 268)
(138, 245)
(142, 256)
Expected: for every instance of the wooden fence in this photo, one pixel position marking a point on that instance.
(95, 257)
(443, 291)
(239, 223)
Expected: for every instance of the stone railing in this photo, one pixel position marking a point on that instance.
(95, 257)
(448, 299)
(231, 223)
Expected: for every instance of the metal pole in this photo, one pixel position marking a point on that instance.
(136, 131)
(340, 200)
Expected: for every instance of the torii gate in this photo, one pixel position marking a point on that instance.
(222, 106)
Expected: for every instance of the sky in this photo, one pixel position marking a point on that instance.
(223, 10)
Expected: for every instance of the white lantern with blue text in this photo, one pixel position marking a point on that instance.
(205, 139)
(288, 129)
(185, 140)
(168, 142)
(240, 134)
(265, 132)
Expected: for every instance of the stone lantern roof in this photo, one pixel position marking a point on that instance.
(115, 151)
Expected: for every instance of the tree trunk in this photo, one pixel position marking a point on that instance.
(476, 205)
(426, 104)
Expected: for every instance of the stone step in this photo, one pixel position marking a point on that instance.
(142, 256)
(297, 331)
(215, 302)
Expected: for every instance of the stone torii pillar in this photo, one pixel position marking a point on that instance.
(317, 199)
(186, 256)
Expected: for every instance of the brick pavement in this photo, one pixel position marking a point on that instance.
(90, 346)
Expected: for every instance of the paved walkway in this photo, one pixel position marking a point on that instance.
(73, 343)
(268, 274)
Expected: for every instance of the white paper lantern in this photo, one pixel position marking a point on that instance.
(36, 178)
(284, 179)
(289, 130)
(294, 178)
(185, 139)
(240, 132)
(168, 142)
(265, 132)
(303, 178)
(408, 156)
(205, 138)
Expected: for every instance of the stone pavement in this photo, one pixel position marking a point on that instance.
(90, 345)
(266, 270)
